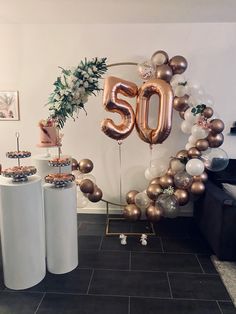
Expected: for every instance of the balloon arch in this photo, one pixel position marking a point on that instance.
(170, 183)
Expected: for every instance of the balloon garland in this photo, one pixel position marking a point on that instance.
(172, 182)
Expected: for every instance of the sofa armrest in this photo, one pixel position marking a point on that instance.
(219, 194)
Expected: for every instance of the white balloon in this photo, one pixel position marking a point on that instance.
(198, 132)
(82, 201)
(188, 146)
(83, 176)
(192, 140)
(195, 89)
(148, 175)
(177, 79)
(194, 101)
(180, 90)
(186, 127)
(208, 101)
(158, 167)
(189, 117)
(195, 167)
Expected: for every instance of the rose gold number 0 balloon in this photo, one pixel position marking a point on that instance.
(164, 90)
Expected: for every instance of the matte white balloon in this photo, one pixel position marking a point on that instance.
(177, 79)
(194, 101)
(198, 132)
(189, 117)
(158, 167)
(195, 89)
(82, 201)
(195, 167)
(192, 140)
(148, 175)
(180, 90)
(186, 127)
(188, 146)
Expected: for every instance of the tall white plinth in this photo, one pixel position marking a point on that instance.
(61, 228)
(43, 169)
(22, 232)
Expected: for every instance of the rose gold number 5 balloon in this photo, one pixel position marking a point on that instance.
(112, 87)
(164, 90)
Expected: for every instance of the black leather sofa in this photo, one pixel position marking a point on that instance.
(215, 213)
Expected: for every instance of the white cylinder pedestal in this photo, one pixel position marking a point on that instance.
(61, 228)
(22, 232)
(43, 169)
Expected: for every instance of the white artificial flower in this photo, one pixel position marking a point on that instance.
(81, 82)
(90, 80)
(71, 80)
(77, 95)
(94, 69)
(86, 84)
(56, 105)
(86, 75)
(90, 71)
(84, 98)
(57, 97)
(81, 89)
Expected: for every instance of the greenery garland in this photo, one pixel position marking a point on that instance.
(73, 88)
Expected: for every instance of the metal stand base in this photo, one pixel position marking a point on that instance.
(109, 219)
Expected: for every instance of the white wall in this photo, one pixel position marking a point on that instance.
(29, 60)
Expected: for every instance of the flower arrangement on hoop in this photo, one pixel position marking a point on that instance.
(73, 87)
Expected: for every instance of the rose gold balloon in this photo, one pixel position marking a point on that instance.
(86, 186)
(112, 103)
(164, 72)
(197, 187)
(193, 152)
(153, 191)
(154, 213)
(215, 140)
(74, 164)
(203, 177)
(159, 57)
(170, 172)
(217, 126)
(182, 154)
(208, 112)
(166, 181)
(181, 103)
(181, 113)
(202, 145)
(155, 181)
(182, 196)
(85, 165)
(96, 196)
(178, 64)
(132, 212)
(164, 90)
(130, 196)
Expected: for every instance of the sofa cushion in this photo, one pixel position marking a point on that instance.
(230, 189)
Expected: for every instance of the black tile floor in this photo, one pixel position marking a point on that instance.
(172, 275)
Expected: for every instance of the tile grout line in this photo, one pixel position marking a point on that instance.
(129, 306)
(199, 264)
(168, 279)
(130, 260)
(161, 243)
(40, 302)
(90, 281)
(100, 245)
(219, 307)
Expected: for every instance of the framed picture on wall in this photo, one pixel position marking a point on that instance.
(9, 106)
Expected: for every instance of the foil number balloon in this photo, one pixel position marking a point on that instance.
(163, 89)
(112, 103)
(113, 86)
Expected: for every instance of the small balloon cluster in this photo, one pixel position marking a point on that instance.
(123, 239)
(88, 190)
(161, 67)
(172, 182)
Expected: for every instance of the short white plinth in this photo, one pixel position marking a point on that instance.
(43, 169)
(22, 232)
(61, 228)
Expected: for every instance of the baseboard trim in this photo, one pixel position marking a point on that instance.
(119, 211)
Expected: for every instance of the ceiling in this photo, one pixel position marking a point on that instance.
(119, 11)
